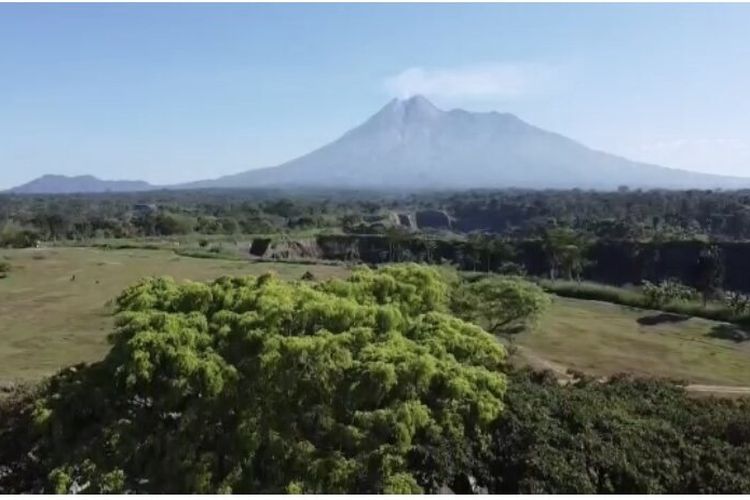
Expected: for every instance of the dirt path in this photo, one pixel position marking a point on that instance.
(719, 389)
(539, 363)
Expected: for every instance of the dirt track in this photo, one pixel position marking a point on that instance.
(538, 363)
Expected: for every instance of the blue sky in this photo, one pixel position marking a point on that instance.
(169, 93)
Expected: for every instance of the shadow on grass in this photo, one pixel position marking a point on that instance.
(656, 319)
(729, 332)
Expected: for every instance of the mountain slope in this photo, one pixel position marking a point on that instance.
(61, 184)
(411, 144)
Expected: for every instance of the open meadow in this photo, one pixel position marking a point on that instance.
(48, 320)
(51, 320)
(602, 339)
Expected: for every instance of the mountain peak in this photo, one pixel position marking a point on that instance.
(414, 108)
(418, 101)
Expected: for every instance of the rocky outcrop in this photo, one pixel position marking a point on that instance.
(284, 249)
(407, 221)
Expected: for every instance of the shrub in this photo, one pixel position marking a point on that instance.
(511, 269)
(737, 302)
(667, 291)
(622, 436)
(15, 236)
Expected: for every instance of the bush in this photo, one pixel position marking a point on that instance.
(737, 302)
(18, 237)
(4, 269)
(167, 224)
(667, 291)
(511, 269)
(622, 436)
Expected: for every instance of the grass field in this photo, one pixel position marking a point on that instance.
(48, 321)
(600, 338)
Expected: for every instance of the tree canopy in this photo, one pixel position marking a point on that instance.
(502, 304)
(260, 385)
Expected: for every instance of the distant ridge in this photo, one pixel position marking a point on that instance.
(61, 184)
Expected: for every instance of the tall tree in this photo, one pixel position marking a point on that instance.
(709, 270)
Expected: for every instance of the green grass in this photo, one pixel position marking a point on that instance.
(48, 321)
(602, 339)
(241, 240)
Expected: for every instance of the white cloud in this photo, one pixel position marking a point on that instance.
(501, 81)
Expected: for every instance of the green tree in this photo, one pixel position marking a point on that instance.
(502, 305)
(429, 246)
(709, 271)
(169, 224)
(564, 251)
(397, 238)
(260, 385)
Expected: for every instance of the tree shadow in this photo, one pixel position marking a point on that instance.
(729, 332)
(656, 319)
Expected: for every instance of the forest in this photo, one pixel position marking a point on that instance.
(632, 215)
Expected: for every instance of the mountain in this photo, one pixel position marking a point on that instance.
(61, 184)
(411, 144)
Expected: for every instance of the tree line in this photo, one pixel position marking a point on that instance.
(624, 215)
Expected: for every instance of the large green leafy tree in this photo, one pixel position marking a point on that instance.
(260, 385)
